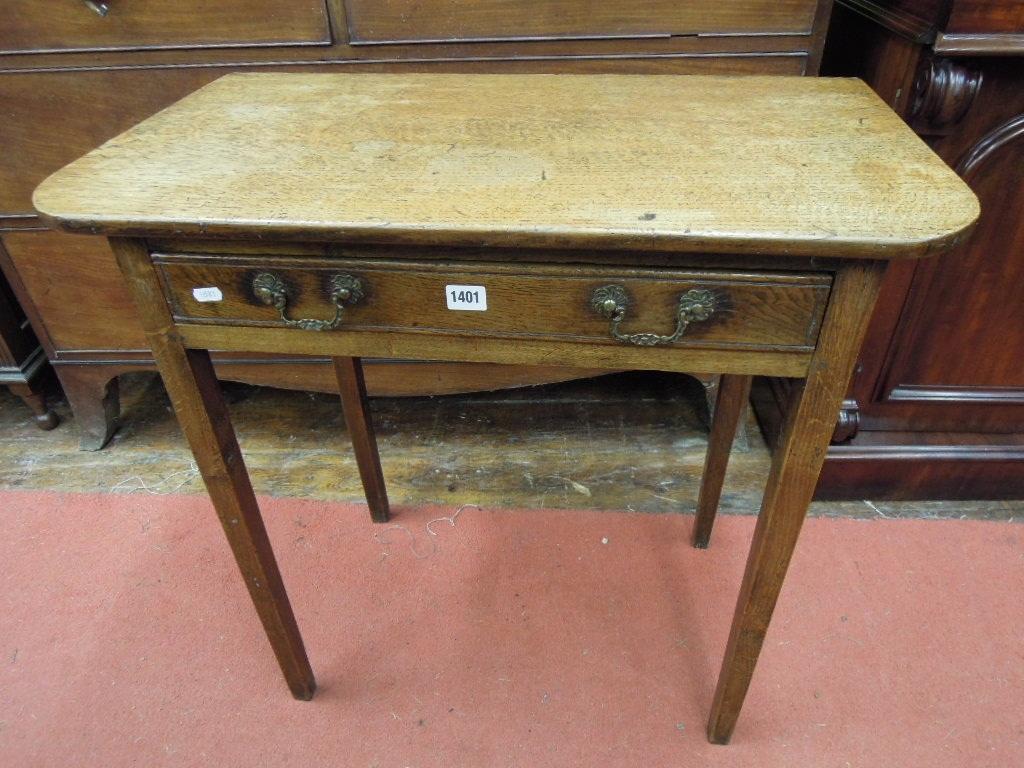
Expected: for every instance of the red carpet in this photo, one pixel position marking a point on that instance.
(514, 638)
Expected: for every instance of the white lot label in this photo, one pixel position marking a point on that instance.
(466, 297)
(207, 294)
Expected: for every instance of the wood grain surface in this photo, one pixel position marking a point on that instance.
(749, 164)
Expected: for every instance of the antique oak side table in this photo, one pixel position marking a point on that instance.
(700, 224)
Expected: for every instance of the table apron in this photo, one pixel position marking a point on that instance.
(432, 346)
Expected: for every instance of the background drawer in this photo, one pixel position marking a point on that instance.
(48, 119)
(70, 25)
(408, 20)
(762, 311)
(77, 289)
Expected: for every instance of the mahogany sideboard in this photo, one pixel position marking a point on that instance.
(74, 74)
(936, 409)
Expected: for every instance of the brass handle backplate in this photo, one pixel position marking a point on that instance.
(612, 301)
(344, 291)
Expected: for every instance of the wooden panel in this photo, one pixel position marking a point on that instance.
(398, 20)
(30, 25)
(986, 16)
(757, 311)
(958, 346)
(78, 290)
(50, 118)
(800, 166)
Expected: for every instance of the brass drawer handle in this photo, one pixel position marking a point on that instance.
(345, 290)
(611, 301)
(99, 8)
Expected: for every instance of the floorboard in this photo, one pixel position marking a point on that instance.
(632, 441)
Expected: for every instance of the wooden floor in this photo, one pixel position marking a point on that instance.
(620, 442)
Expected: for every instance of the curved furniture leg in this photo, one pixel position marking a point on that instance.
(34, 398)
(92, 392)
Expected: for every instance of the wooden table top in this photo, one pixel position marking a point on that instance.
(768, 165)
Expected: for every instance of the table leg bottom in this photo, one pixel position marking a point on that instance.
(730, 405)
(356, 407)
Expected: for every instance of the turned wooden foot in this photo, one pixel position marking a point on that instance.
(34, 398)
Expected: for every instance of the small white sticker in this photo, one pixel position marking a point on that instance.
(471, 298)
(207, 294)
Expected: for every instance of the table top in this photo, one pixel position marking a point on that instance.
(766, 165)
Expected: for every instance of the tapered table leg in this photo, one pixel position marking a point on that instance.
(796, 465)
(360, 428)
(195, 393)
(730, 405)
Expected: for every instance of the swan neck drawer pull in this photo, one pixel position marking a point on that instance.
(344, 290)
(612, 301)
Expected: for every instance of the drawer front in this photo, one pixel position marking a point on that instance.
(535, 302)
(381, 21)
(79, 25)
